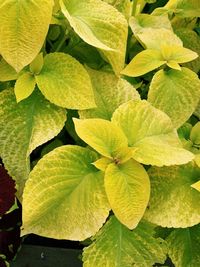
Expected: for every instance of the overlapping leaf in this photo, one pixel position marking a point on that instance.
(176, 93)
(151, 133)
(100, 25)
(173, 202)
(65, 190)
(115, 245)
(23, 127)
(23, 28)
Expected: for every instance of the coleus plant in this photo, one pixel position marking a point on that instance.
(120, 78)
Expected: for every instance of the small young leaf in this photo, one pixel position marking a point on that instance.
(115, 245)
(23, 28)
(151, 132)
(7, 73)
(100, 25)
(37, 64)
(24, 86)
(196, 186)
(144, 62)
(174, 65)
(23, 127)
(109, 93)
(195, 134)
(63, 80)
(176, 93)
(173, 202)
(184, 8)
(102, 135)
(65, 186)
(184, 246)
(128, 189)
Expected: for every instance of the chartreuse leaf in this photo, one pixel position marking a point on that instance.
(184, 247)
(196, 185)
(65, 186)
(197, 160)
(37, 64)
(184, 8)
(151, 133)
(195, 134)
(124, 6)
(115, 245)
(102, 135)
(7, 73)
(109, 92)
(144, 62)
(128, 190)
(190, 40)
(24, 86)
(100, 25)
(63, 81)
(23, 28)
(176, 93)
(173, 202)
(23, 127)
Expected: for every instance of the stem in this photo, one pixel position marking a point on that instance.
(61, 43)
(138, 6)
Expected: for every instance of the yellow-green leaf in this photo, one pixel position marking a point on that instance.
(7, 73)
(175, 92)
(67, 191)
(195, 134)
(128, 189)
(65, 82)
(100, 25)
(24, 86)
(102, 135)
(37, 64)
(196, 186)
(144, 62)
(23, 28)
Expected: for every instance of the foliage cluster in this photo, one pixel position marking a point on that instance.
(99, 125)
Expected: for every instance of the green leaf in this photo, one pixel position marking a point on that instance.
(115, 245)
(63, 81)
(144, 62)
(128, 189)
(195, 134)
(151, 133)
(184, 8)
(23, 127)
(124, 6)
(109, 92)
(24, 86)
(100, 25)
(176, 93)
(7, 73)
(37, 64)
(177, 53)
(23, 28)
(102, 135)
(65, 186)
(184, 246)
(190, 40)
(173, 202)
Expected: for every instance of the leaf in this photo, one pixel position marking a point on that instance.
(195, 134)
(23, 29)
(144, 62)
(7, 73)
(196, 186)
(100, 25)
(184, 8)
(184, 246)
(173, 202)
(115, 245)
(176, 93)
(109, 92)
(24, 86)
(124, 6)
(23, 127)
(177, 53)
(128, 189)
(65, 186)
(192, 41)
(151, 133)
(7, 191)
(37, 64)
(63, 80)
(105, 137)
